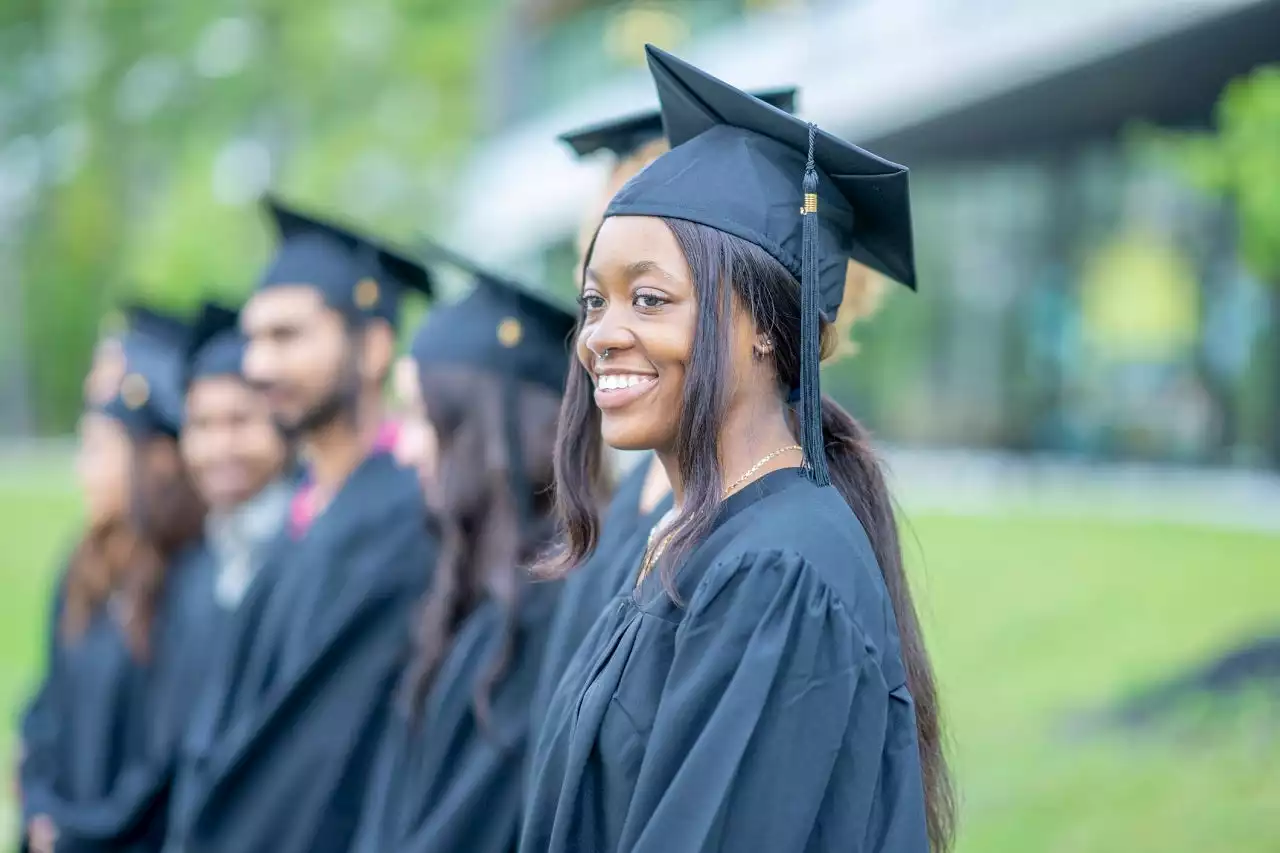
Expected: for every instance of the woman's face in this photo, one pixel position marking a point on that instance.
(416, 442)
(639, 318)
(103, 464)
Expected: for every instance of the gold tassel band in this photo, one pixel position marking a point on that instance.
(810, 203)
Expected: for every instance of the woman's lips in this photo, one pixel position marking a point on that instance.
(615, 390)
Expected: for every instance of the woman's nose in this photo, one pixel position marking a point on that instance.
(609, 334)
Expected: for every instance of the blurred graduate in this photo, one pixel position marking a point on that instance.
(100, 736)
(765, 686)
(237, 456)
(483, 382)
(278, 761)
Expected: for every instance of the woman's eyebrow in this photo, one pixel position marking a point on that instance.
(634, 270)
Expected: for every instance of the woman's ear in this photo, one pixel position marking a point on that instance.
(763, 346)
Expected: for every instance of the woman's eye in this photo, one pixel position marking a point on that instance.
(590, 302)
(649, 301)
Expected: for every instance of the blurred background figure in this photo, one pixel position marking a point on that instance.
(125, 648)
(235, 453)
(1080, 408)
(281, 755)
(483, 380)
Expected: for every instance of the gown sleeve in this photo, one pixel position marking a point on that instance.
(773, 692)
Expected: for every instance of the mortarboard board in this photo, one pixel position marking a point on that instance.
(809, 199)
(500, 327)
(628, 134)
(357, 276)
(215, 346)
(148, 400)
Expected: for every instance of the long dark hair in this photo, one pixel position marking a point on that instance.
(726, 268)
(132, 555)
(484, 541)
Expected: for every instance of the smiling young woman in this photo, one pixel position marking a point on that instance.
(766, 687)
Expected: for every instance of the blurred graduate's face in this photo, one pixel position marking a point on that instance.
(299, 355)
(104, 465)
(639, 319)
(229, 441)
(416, 441)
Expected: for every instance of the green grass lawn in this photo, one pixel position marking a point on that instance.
(1034, 623)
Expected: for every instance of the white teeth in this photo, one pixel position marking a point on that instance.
(618, 381)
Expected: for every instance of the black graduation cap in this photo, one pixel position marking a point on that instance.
(500, 327)
(624, 136)
(809, 199)
(215, 346)
(357, 276)
(147, 324)
(149, 398)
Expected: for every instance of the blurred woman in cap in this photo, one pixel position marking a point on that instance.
(100, 734)
(482, 385)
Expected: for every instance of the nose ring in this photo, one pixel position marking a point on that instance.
(605, 353)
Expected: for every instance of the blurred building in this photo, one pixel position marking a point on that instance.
(1074, 298)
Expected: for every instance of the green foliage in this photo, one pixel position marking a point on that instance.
(159, 123)
(1240, 160)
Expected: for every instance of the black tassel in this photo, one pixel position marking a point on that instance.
(810, 330)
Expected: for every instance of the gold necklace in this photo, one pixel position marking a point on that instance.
(652, 554)
(765, 460)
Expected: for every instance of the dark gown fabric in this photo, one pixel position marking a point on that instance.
(448, 782)
(770, 712)
(608, 571)
(280, 762)
(101, 735)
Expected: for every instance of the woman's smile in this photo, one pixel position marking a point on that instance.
(618, 388)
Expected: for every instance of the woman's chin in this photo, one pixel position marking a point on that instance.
(620, 435)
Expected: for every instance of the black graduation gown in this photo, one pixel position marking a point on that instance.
(307, 679)
(610, 570)
(768, 713)
(450, 783)
(102, 732)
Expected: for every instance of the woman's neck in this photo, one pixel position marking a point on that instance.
(655, 486)
(748, 435)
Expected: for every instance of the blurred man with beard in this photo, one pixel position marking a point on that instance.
(279, 762)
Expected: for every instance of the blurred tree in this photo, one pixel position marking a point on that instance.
(157, 125)
(1240, 160)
